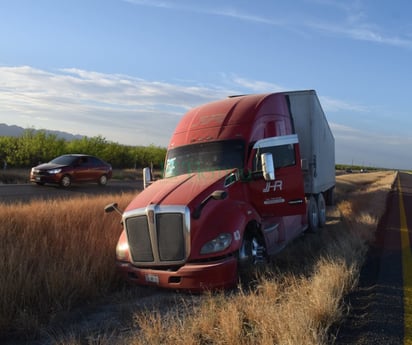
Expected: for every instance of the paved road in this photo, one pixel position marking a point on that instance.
(382, 304)
(11, 193)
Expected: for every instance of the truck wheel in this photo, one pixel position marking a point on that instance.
(252, 254)
(313, 215)
(66, 181)
(321, 210)
(330, 196)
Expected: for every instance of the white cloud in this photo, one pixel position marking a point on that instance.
(119, 107)
(134, 111)
(355, 24)
(352, 21)
(334, 105)
(256, 86)
(92, 103)
(370, 148)
(152, 3)
(357, 136)
(360, 33)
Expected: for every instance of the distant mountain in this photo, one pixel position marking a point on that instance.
(16, 131)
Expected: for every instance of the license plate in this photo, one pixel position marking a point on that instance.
(152, 278)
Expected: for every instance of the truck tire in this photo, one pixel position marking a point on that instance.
(321, 210)
(251, 256)
(313, 214)
(330, 196)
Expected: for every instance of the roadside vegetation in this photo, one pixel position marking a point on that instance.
(34, 147)
(59, 255)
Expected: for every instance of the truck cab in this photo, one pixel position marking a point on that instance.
(234, 193)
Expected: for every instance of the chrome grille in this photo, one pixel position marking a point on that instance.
(170, 236)
(139, 239)
(158, 235)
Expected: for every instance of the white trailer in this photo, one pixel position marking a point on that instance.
(316, 141)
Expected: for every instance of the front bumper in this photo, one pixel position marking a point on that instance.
(36, 178)
(220, 274)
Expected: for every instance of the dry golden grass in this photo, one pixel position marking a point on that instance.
(56, 255)
(363, 199)
(300, 297)
(284, 310)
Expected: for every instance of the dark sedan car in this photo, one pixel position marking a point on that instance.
(66, 169)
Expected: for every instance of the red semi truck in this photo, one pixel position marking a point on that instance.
(243, 177)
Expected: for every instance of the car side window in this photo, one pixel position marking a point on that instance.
(83, 161)
(94, 162)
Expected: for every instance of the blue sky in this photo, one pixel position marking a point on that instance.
(129, 69)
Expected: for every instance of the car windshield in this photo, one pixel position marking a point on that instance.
(64, 160)
(210, 156)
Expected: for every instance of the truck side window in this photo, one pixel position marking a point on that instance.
(283, 156)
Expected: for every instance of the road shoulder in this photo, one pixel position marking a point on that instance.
(375, 314)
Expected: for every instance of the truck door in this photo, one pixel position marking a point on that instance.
(283, 196)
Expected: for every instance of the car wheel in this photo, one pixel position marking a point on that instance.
(66, 181)
(40, 183)
(103, 180)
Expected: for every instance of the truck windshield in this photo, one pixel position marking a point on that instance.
(210, 156)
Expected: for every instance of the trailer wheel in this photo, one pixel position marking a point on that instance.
(321, 210)
(251, 256)
(313, 215)
(330, 196)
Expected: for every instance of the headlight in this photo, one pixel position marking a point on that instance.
(218, 244)
(122, 251)
(54, 171)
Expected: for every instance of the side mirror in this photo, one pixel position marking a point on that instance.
(268, 167)
(112, 207)
(147, 177)
(219, 195)
(216, 195)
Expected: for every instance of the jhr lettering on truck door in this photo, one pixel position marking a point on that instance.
(273, 185)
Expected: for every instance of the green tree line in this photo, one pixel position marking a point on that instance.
(35, 147)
